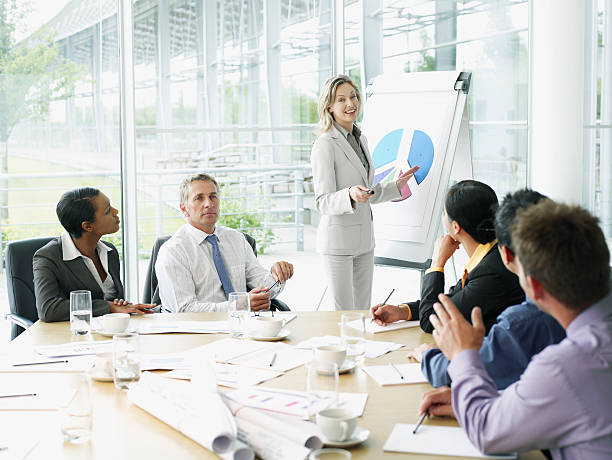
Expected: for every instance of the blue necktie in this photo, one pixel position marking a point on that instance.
(219, 265)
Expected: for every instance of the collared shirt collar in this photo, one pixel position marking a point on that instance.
(201, 236)
(356, 131)
(71, 252)
(481, 251)
(594, 314)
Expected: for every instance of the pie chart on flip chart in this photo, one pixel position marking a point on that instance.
(386, 163)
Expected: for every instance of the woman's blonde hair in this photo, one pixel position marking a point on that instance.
(326, 100)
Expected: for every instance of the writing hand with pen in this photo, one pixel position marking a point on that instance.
(453, 334)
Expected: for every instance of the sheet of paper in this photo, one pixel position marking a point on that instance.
(43, 399)
(434, 440)
(184, 327)
(374, 328)
(387, 375)
(284, 357)
(290, 402)
(374, 348)
(166, 361)
(38, 364)
(75, 348)
(230, 375)
(227, 349)
(17, 445)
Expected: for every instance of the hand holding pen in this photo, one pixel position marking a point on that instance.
(437, 402)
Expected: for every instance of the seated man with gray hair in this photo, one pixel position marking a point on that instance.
(203, 262)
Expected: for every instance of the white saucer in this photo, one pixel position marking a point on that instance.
(282, 335)
(347, 366)
(359, 435)
(100, 376)
(104, 333)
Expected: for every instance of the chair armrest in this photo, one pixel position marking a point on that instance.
(19, 320)
(278, 305)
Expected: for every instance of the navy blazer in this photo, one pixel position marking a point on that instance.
(55, 277)
(490, 286)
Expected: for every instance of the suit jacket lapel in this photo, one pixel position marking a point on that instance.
(80, 271)
(350, 153)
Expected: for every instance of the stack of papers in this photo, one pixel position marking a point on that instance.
(185, 327)
(374, 348)
(38, 364)
(435, 440)
(398, 374)
(230, 375)
(75, 349)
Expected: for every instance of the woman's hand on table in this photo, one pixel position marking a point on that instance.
(123, 306)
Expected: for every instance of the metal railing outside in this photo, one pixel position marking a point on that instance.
(255, 187)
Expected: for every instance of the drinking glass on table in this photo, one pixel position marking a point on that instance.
(80, 312)
(239, 306)
(352, 334)
(321, 386)
(76, 414)
(126, 360)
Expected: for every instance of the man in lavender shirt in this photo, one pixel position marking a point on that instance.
(563, 400)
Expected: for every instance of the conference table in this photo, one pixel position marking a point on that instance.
(122, 430)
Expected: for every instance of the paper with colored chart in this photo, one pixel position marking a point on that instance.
(230, 375)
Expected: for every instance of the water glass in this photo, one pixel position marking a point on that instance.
(76, 414)
(321, 386)
(239, 306)
(80, 312)
(126, 360)
(352, 334)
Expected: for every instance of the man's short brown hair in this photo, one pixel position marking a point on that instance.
(563, 247)
(184, 187)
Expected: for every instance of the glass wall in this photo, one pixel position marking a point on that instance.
(59, 112)
(230, 87)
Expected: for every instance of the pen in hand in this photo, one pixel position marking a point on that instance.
(275, 283)
(385, 302)
(418, 425)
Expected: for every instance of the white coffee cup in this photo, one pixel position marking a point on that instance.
(115, 323)
(104, 364)
(330, 354)
(337, 424)
(265, 326)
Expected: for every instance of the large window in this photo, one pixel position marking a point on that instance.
(230, 88)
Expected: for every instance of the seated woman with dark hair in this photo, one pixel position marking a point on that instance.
(79, 260)
(469, 213)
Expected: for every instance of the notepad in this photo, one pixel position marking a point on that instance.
(387, 375)
(375, 328)
(435, 440)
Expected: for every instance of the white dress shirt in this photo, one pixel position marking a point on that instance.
(188, 279)
(70, 252)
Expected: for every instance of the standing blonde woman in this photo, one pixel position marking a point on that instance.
(343, 175)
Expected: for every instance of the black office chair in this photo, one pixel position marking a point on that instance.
(151, 288)
(20, 283)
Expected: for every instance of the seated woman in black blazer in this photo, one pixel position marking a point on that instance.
(469, 212)
(79, 260)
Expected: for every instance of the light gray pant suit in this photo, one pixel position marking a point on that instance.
(345, 237)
